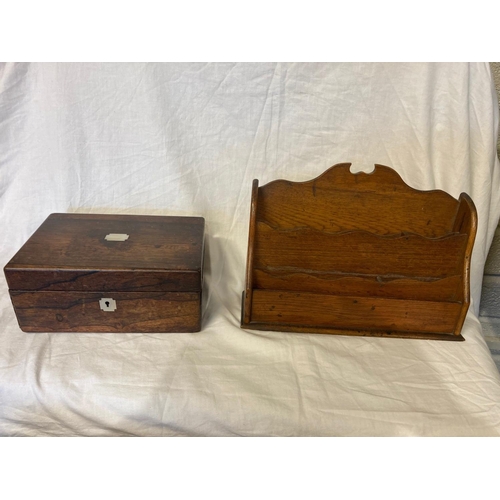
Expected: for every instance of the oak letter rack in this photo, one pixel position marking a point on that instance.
(358, 254)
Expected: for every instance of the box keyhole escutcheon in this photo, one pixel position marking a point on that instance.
(107, 304)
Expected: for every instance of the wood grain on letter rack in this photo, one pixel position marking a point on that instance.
(358, 254)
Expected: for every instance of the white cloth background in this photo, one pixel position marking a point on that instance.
(188, 139)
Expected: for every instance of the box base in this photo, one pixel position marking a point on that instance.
(136, 312)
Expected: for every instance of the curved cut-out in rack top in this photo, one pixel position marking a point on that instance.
(358, 252)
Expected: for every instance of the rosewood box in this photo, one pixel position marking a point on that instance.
(109, 273)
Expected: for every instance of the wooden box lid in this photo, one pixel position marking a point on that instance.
(89, 252)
